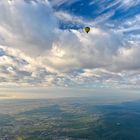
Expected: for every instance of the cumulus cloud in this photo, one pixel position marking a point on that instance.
(79, 50)
(25, 24)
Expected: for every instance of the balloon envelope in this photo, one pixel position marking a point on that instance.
(86, 29)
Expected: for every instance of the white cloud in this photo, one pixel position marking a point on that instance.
(61, 2)
(23, 24)
(130, 3)
(80, 21)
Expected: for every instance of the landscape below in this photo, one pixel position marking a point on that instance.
(69, 119)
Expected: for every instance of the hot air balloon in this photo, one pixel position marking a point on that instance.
(87, 29)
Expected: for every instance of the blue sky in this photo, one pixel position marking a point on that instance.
(42, 44)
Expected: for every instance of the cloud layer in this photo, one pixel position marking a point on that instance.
(34, 51)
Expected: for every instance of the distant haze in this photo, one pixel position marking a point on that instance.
(101, 95)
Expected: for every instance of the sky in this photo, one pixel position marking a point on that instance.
(42, 44)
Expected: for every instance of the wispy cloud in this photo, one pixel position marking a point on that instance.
(130, 3)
